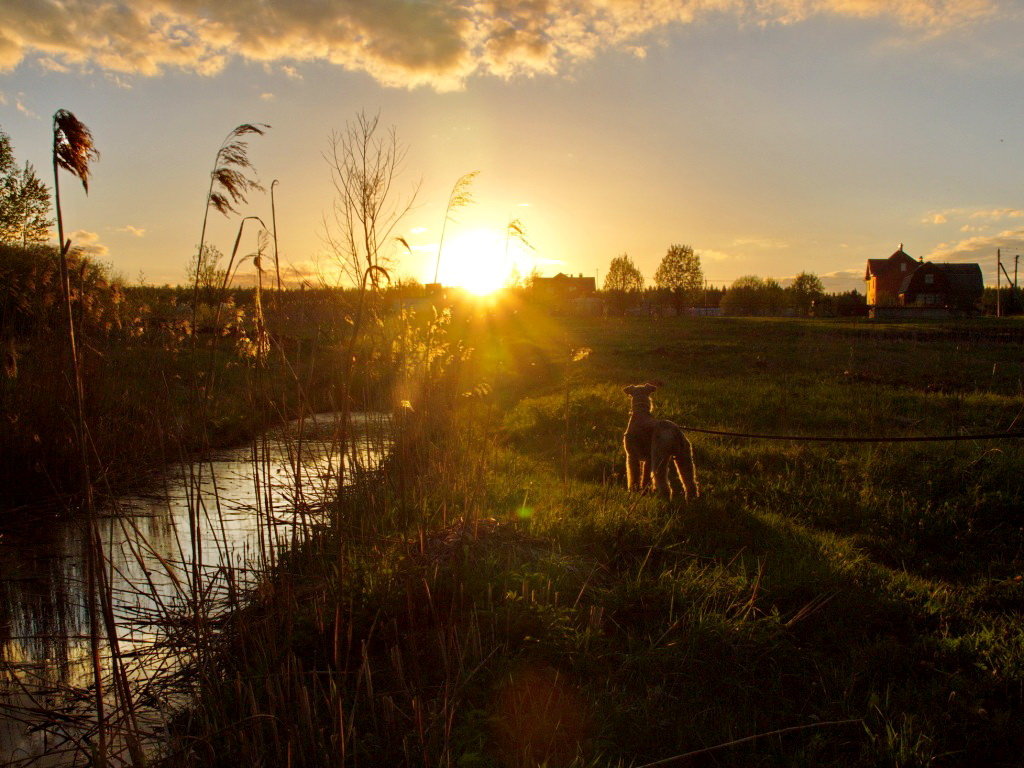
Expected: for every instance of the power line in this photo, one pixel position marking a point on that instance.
(815, 439)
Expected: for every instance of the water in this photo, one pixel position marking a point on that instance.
(244, 506)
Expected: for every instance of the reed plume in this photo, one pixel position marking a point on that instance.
(229, 183)
(73, 146)
(461, 196)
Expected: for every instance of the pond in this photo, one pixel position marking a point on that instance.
(208, 528)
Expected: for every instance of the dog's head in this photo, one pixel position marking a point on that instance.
(641, 395)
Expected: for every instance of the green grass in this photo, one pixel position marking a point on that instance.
(501, 600)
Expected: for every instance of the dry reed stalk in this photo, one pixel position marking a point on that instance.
(460, 197)
(228, 183)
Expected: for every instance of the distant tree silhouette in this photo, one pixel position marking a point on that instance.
(24, 201)
(623, 275)
(365, 162)
(681, 274)
(806, 290)
(624, 282)
(752, 295)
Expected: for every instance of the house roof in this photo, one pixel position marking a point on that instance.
(879, 267)
(964, 279)
(876, 267)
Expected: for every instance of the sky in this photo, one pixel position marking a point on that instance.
(773, 136)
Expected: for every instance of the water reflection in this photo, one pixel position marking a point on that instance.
(202, 529)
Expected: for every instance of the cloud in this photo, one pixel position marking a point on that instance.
(997, 214)
(976, 220)
(400, 43)
(267, 96)
(88, 243)
(842, 280)
(713, 255)
(763, 243)
(19, 104)
(129, 229)
(982, 249)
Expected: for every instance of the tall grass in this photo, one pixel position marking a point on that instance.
(487, 611)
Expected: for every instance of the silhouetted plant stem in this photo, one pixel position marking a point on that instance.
(60, 144)
(273, 224)
(460, 197)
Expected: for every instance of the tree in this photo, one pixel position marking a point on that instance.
(806, 290)
(680, 273)
(24, 201)
(623, 282)
(365, 163)
(206, 271)
(751, 295)
(623, 276)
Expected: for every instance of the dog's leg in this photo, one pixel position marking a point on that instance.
(686, 468)
(660, 459)
(675, 478)
(634, 480)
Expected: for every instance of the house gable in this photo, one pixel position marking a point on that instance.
(884, 277)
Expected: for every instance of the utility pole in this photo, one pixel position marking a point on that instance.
(999, 266)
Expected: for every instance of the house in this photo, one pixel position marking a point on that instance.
(562, 293)
(885, 276)
(901, 287)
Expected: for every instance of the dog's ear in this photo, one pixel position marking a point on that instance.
(654, 384)
(629, 390)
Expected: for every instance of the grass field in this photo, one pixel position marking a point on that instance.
(500, 599)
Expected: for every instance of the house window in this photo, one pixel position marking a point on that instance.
(903, 267)
(929, 279)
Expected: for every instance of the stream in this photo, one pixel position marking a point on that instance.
(219, 524)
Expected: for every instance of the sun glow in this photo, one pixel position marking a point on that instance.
(481, 261)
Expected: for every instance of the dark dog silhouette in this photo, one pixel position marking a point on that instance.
(659, 445)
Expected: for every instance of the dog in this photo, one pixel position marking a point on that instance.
(658, 445)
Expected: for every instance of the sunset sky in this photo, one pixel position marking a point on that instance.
(774, 136)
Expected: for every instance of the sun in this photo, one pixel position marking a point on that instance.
(480, 261)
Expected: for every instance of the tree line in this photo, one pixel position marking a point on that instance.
(24, 200)
(679, 280)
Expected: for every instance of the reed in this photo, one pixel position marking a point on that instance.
(488, 611)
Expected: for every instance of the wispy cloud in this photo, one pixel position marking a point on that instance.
(398, 42)
(713, 255)
(760, 243)
(844, 280)
(88, 243)
(981, 249)
(998, 214)
(19, 104)
(975, 219)
(129, 229)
